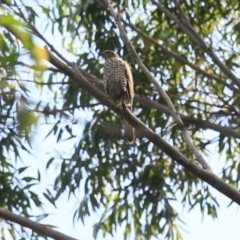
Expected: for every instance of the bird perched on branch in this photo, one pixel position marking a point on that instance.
(118, 84)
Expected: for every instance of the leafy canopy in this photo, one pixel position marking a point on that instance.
(134, 186)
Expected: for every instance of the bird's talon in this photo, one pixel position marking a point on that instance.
(124, 106)
(119, 104)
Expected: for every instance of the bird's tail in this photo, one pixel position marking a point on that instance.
(129, 133)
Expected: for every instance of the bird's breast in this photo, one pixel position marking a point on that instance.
(113, 72)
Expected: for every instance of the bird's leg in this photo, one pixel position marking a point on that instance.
(124, 105)
(119, 103)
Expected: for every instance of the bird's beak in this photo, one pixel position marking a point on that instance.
(103, 54)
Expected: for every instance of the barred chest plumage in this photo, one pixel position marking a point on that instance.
(114, 79)
(118, 84)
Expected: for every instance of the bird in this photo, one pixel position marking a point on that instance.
(118, 85)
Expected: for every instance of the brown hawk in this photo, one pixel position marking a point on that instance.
(118, 84)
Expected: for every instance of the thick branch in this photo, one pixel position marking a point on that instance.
(164, 109)
(36, 227)
(199, 123)
(207, 176)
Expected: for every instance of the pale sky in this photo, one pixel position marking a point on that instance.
(225, 227)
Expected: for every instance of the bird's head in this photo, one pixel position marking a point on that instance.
(109, 54)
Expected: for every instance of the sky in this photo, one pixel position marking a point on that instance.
(227, 226)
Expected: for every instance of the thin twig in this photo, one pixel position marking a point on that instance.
(194, 36)
(173, 111)
(34, 82)
(47, 111)
(180, 58)
(38, 34)
(34, 67)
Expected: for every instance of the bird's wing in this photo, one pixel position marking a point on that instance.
(129, 79)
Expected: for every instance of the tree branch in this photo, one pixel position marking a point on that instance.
(181, 59)
(172, 109)
(47, 111)
(36, 227)
(194, 36)
(37, 33)
(168, 52)
(200, 123)
(206, 176)
(33, 66)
